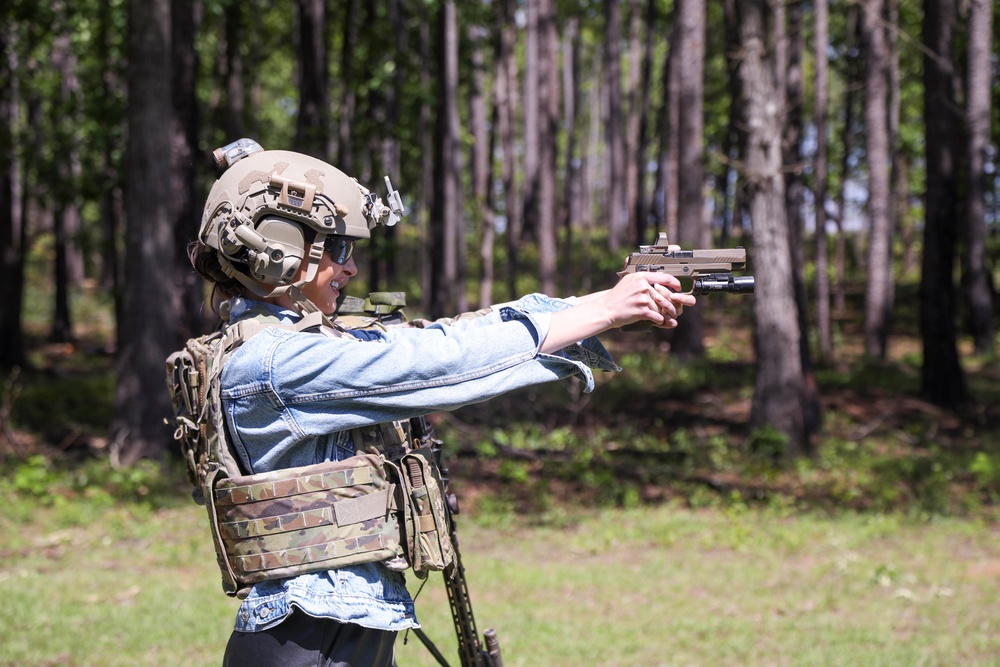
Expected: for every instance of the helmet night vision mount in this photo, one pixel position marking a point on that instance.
(272, 210)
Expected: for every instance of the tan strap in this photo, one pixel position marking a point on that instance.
(363, 508)
(243, 330)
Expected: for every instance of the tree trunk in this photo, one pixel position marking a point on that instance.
(111, 200)
(633, 94)
(691, 126)
(779, 390)
(640, 158)
(616, 209)
(823, 324)
(507, 104)
(548, 104)
(429, 157)
(671, 156)
(312, 133)
(976, 270)
(847, 142)
(65, 216)
(235, 114)
(589, 170)
(482, 158)
(572, 202)
(390, 147)
(456, 265)
(446, 287)
(11, 249)
(61, 329)
(901, 220)
(878, 292)
(688, 338)
(148, 331)
(942, 378)
(532, 119)
(193, 318)
(795, 188)
(734, 140)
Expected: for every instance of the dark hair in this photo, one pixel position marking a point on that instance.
(205, 261)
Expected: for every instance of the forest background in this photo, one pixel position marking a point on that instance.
(536, 143)
(828, 444)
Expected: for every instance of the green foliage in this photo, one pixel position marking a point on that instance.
(67, 405)
(768, 443)
(513, 472)
(632, 450)
(986, 470)
(78, 492)
(34, 478)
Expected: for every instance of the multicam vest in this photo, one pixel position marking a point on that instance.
(386, 503)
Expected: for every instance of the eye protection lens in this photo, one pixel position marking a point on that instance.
(340, 248)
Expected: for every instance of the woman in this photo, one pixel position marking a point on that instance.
(276, 241)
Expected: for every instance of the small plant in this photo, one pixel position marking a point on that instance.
(35, 478)
(514, 472)
(768, 444)
(986, 469)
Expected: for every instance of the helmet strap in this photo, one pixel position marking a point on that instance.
(299, 300)
(304, 306)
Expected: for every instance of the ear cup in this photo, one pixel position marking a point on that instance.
(283, 248)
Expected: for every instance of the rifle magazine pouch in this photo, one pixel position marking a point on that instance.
(290, 522)
(429, 537)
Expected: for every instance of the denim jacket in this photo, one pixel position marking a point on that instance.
(291, 399)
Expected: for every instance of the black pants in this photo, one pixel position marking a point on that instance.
(304, 641)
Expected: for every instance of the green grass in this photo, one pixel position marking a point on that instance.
(668, 586)
(130, 588)
(135, 583)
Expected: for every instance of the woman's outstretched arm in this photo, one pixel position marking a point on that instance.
(643, 296)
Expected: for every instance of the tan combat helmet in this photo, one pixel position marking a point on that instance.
(258, 213)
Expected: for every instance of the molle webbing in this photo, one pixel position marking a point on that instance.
(308, 519)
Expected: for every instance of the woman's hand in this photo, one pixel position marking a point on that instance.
(643, 296)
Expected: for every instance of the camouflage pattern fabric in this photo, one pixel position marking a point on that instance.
(312, 518)
(379, 311)
(391, 439)
(427, 535)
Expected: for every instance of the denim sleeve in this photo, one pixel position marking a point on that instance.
(590, 352)
(281, 387)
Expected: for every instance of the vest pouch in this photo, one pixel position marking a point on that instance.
(429, 537)
(308, 519)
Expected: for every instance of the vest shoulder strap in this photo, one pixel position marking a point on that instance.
(243, 330)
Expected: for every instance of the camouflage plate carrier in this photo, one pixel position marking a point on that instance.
(386, 503)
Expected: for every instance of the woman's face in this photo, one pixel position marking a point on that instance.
(330, 280)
